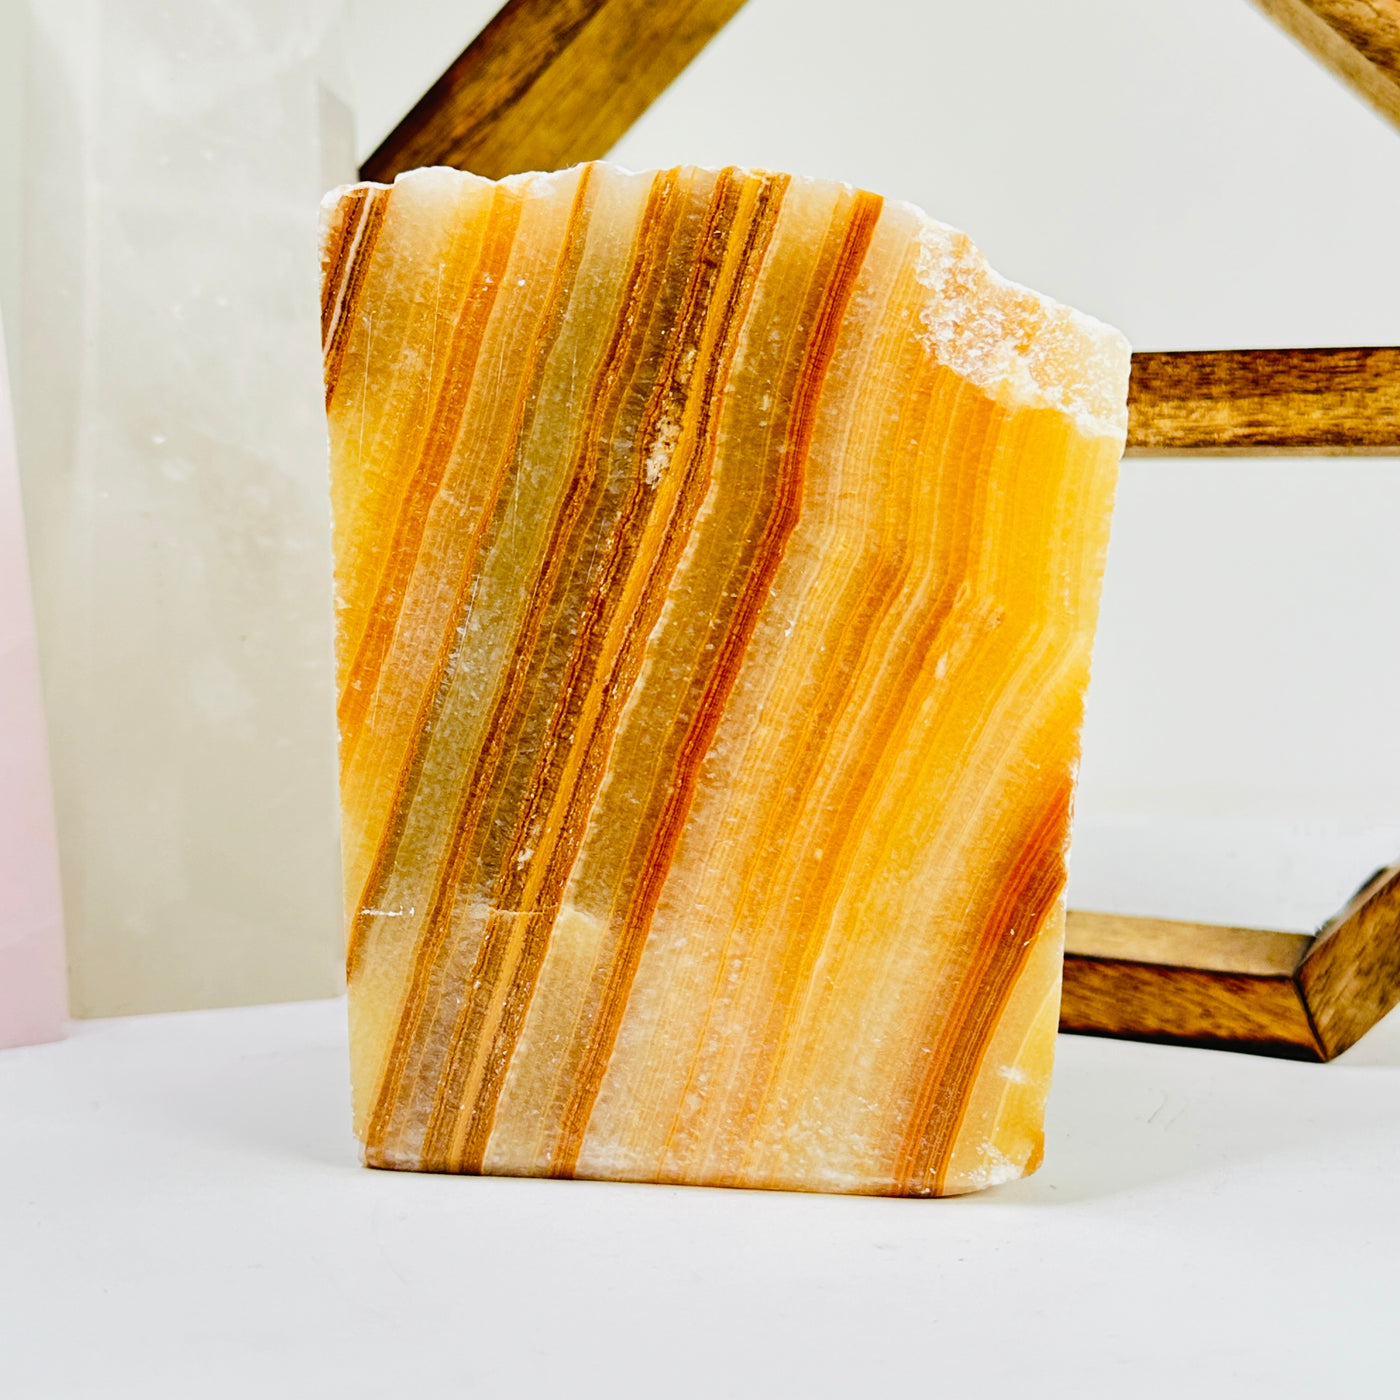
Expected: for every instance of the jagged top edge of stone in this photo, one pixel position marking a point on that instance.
(1020, 347)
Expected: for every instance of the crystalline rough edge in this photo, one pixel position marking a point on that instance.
(717, 558)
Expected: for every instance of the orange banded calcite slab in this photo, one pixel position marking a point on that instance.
(717, 561)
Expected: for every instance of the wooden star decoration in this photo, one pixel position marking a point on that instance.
(551, 83)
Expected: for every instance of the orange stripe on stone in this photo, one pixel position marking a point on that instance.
(688, 376)
(783, 517)
(354, 231)
(420, 491)
(511, 707)
(960, 1036)
(434, 693)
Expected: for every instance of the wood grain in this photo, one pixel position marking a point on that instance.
(1253, 990)
(1259, 402)
(1358, 40)
(548, 84)
(1351, 975)
(1186, 984)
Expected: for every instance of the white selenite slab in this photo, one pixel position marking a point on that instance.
(33, 993)
(174, 458)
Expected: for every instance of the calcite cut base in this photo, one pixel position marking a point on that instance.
(717, 559)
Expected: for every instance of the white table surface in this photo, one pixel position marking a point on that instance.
(182, 1215)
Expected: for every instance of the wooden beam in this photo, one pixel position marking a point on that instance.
(1350, 976)
(1190, 984)
(1358, 40)
(1264, 402)
(1253, 990)
(550, 83)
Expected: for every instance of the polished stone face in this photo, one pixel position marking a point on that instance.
(717, 562)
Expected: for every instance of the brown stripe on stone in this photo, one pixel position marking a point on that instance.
(435, 693)
(444, 424)
(514, 707)
(609, 534)
(350, 242)
(822, 883)
(717, 318)
(960, 1037)
(494, 832)
(342, 227)
(606, 885)
(708, 295)
(704, 359)
(768, 555)
(743, 1105)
